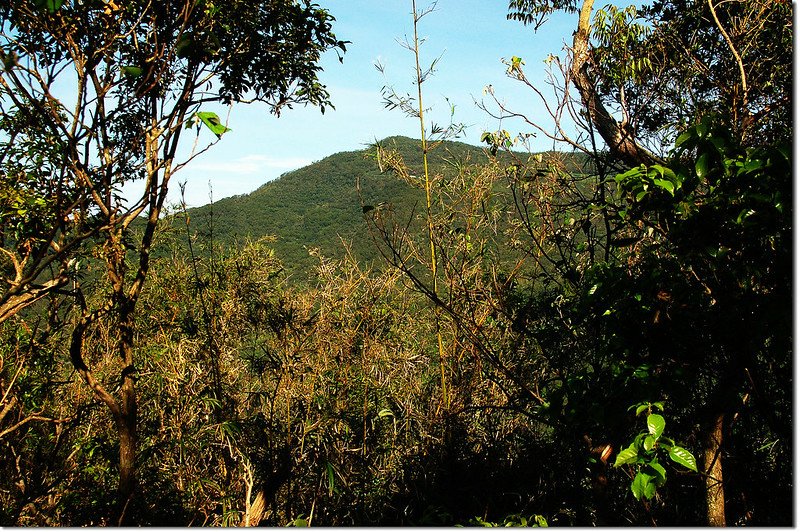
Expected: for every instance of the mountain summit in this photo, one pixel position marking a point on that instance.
(320, 205)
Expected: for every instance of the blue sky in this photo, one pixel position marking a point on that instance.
(471, 36)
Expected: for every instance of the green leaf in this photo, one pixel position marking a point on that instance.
(480, 522)
(650, 489)
(660, 476)
(299, 522)
(131, 71)
(666, 185)
(51, 5)
(633, 172)
(212, 122)
(649, 442)
(752, 165)
(211, 402)
(641, 408)
(701, 165)
(683, 457)
(642, 486)
(230, 428)
(331, 479)
(702, 129)
(683, 137)
(626, 456)
(655, 425)
(184, 46)
(745, 214)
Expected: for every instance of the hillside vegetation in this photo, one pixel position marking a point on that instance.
(321, 206)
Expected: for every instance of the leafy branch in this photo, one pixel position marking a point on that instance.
(646, 450)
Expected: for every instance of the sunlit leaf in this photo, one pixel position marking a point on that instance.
(655, 425)
(683, 457)
(626, 456)
(650, 488)
(666, 185)
(299, 522)
(132, 71)
(701, 166)
(640, 484)
(212, 122)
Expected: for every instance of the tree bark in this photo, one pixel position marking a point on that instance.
(126, 420)
(715, 493)
(24, 295)
(123, 413)
(126, 429)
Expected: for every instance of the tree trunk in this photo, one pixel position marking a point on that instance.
(126, 429)
(619, 137)
(123, 413)
(715, 494)
(126, 420)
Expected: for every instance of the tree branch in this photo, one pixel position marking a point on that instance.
(619, 137)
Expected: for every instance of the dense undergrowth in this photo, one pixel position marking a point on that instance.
(329, 404)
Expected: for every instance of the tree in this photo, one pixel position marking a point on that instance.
(96, 94)
(725, 312)
(711, 79)
(732, 59)
(643, 75)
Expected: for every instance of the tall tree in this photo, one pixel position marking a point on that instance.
(97, 94)
(643, 75)
(713, 79)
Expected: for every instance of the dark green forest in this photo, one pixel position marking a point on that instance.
(420, 332)
(321, 207)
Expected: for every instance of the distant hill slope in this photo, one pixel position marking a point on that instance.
(318, 205)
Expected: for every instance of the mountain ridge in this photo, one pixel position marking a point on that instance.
(318, 205)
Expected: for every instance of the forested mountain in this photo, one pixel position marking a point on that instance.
(322, 205)
(317, 206)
